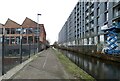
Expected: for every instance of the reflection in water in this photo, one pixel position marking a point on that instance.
(99, 69)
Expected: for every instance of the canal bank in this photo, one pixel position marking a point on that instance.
(92, 52)
(72, 68)
(98, 68)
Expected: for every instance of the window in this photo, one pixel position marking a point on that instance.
(106, 5)
(92, 16)
(106, 16)
(83, 34)
(92, 23)
(24, 39)
(7, 30)
(77, 30)
(78, 20)
(92, 1)
(77, 35)
(12, 40)
(17, 40)
(83, 9)
(12, 30)
(87, 20)
(98, 2)
(78, 4)
(83, 28)
(7, 40)
(18, 30)
(118, 11)
(105, 38)
(87, 27)
(77, 14)
(0, 40)
(118, 41)
(92, 8)
(30, 39)
(80, 35)
(87, 13)
(29, 31)
(87, 6)
(98, 11)
(97, 29)
(77, 9)
(98, 39)
(98, 20)
(87, 40)
(92, 39)
(1, 29)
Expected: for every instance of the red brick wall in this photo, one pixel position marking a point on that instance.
(42, 33)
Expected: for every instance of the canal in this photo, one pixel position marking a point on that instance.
(99, 69)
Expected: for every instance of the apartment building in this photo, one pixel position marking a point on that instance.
(87, 19)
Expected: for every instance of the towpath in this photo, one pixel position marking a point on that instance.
(45, 66)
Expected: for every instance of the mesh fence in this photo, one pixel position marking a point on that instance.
(14, 54)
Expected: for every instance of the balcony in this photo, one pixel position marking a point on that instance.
(92, 25)
(92, 17)
(87, 7)
(87, 20)
(87, 35)
(92, 9)
(87, 28)
(87, 14)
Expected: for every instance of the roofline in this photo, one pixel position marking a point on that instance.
(12, 21)
(29, 19)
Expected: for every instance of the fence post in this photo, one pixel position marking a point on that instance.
(29, 50)
(3, 51)
(20, 49)
(34, 48)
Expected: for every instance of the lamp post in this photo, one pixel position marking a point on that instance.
(38, 32)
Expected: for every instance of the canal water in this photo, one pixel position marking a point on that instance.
(99, 69)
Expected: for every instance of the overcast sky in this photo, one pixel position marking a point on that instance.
(54, 13)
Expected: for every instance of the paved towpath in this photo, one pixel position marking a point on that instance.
(45, 66)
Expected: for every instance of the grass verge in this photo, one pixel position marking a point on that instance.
(71, 68)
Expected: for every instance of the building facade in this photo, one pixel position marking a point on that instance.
(84, 25)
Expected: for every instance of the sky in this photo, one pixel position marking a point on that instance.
(54, 13)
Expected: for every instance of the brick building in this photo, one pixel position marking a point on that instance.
(42, 33)
(30, 31)
(28, 38)
(20, 42)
